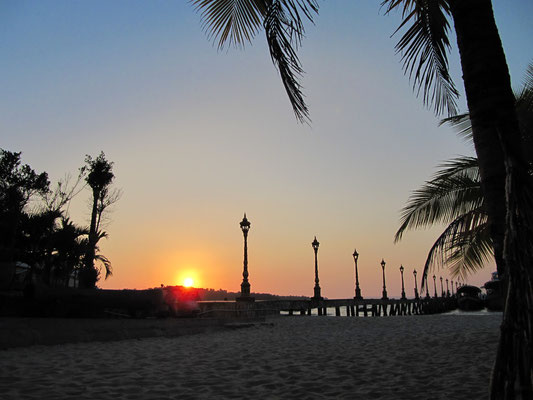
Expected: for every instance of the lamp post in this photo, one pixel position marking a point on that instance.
(455, 287)
(357, 289)
(315, 245)
(245, 285)
(447, 289)
(435, 285)
(416, 289)
(441, 288)
(384, 296)
(403, 288)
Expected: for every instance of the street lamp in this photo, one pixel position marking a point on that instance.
(441, 288)
(447, 289)
(315, 245)
(416, 289)
(403, 288)
(245, 285)
(357, 289)
(384, 297)
(435, 285)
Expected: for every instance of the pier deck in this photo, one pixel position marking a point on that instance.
(353, 307)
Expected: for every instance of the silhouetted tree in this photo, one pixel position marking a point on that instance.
(68, 240)
(99, 178)
(18, 184)
(44, 237)
(36, 247)
(70, 246)
(59, 198)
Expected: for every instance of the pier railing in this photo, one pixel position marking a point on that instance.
(352, 307)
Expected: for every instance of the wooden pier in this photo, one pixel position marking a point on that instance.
(352, 307)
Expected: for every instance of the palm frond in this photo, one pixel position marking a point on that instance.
(524, 113)
(524, 108)
(461, 124)
(524, 97)
(453, 191)
(284, 30)
(281, 34)
(424, 49)
(106, 264)
(528, 80)
(470, 250)
(233, 21)
(238, 21)
(464, 245)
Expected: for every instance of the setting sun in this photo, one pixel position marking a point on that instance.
(188, 282)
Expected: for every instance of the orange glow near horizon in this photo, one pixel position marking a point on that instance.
(188, 277)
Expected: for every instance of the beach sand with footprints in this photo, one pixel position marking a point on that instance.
(300, 357)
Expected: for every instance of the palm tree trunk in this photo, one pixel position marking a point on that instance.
(501, 166)
(88, 276)
(490, 102)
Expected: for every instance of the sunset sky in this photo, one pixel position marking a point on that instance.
(200, 136)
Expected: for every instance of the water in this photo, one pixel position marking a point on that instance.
(480, 312)
(331, 312)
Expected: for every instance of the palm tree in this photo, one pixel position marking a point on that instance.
(454, 197)
(70, 245)
(506, 186)
(99, 179)
(36, 242)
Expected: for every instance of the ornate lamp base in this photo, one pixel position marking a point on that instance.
(317, 295)
(245, 292)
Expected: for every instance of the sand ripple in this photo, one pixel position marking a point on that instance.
(417, 357)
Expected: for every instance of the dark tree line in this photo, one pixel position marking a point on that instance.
(36, 233)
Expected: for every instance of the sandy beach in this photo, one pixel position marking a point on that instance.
(299, 357)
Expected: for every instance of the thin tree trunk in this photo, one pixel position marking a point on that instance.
(502, 169)
(87, 274)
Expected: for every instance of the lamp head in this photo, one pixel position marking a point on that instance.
(245, 224)
(315, 244)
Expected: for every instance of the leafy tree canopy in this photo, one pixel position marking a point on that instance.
(18, 182)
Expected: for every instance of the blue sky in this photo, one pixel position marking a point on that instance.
(199, 136)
